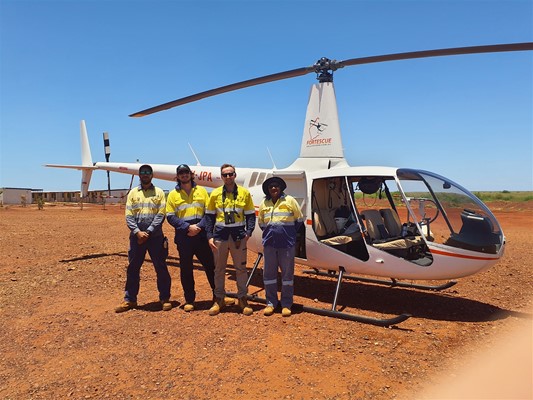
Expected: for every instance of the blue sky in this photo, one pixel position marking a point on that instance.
(469, 118)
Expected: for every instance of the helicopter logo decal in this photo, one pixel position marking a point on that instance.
(316, 129)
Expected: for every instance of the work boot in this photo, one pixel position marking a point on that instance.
(286, 312)
(229, 301)
(217, 306)
(243, 304)
(268, 311)
(166, 305)
(125, 306)
(188, 307)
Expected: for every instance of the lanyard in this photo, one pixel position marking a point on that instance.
(235, 194)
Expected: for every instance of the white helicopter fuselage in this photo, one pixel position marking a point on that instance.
(448, 262)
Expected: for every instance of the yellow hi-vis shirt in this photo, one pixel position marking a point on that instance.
(241, 208)
(280, 221)
(189, 208)
(145, 210)
(184, 210)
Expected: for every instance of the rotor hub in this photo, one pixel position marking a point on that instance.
(324, 69)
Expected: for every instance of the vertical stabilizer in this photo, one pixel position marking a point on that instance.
(86, 160)
(322, 134)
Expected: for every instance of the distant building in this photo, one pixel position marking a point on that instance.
(10, 195)
(94, 196)
(28, 196)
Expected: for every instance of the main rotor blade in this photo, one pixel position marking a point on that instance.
(228, 88)
(437, 53)
(333, 65)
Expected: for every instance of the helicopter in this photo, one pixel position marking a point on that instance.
(389, 223)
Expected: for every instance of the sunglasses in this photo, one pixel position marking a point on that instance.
(227, 175)
(145, 173)
(183, 173)
(273, 185)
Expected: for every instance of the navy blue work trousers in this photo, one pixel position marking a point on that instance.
(284, 259)
(136, 256)
(188, 247)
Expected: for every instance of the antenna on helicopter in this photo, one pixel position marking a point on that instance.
(107, 150)
(272, 159)
(194, 154)
(132, 178)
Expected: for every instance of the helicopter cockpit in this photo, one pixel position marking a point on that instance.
(404, 212)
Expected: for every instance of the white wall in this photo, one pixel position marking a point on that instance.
(12, 195)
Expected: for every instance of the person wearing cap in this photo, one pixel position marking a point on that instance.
(145, 213)
(280, 217)
(185, 210)
(230, 221)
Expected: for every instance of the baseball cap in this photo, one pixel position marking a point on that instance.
(183, 168)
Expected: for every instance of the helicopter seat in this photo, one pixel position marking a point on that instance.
(329, 224)
(337, 240)
(348, 241)
(323, 223)
(391, 221)
(395, 227)
(382, 238)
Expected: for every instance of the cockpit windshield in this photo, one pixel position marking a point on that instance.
(448, 213)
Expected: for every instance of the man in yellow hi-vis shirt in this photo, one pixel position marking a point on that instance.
(230, 221)
(145, 213)
(185, 211)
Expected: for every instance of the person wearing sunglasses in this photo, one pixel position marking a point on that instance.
(185, 211)
(280, 217)
(230, 221)
(145, 213)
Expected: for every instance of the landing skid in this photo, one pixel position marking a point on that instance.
(392, 282)
(329, 313)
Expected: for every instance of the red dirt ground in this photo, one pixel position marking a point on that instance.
(63, 270)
